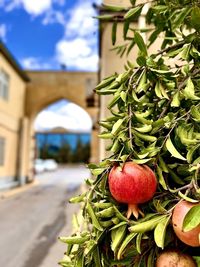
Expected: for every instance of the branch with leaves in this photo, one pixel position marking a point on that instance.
(154, 121)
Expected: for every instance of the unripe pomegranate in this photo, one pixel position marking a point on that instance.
(175, 258)
(190, 238)
(133, 184)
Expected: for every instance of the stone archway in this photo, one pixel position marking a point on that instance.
(46, 87)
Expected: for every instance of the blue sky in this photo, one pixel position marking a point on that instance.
(43, 34)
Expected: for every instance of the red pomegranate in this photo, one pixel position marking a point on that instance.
(190, 238)
(133, 184)
(175, 258)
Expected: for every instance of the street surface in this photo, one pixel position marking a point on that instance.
(31, 220)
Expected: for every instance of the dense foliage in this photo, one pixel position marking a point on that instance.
(155, 120)
(65, 153)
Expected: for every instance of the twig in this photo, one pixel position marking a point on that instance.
(169, 48)
(130, 123)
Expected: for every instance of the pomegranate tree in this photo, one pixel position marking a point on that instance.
(132, 184)
(153, 144)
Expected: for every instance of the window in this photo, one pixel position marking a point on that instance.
(4, 84)
(2, 150)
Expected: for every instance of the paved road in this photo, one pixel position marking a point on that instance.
(32, 220)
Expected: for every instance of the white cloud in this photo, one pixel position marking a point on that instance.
(3, 31)
(77, 54)
(53, 16)
(78, 47)
(81, 20)
(33, 7)
(70, 117)
(35, 64)
(36, 7)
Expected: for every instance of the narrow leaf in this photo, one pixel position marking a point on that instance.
(125, 243)
(133, 12)
(140, 43)
(176, 100)
(114, 32)
(93, 217)
(189, 91)
(117, 126)
(160, 232)
(173, 151)
(192, 218)
(143, 227)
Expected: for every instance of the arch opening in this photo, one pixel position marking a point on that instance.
(63, 133)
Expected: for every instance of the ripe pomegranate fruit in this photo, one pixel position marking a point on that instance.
(190, 238)
(175, 258)
(133, 184)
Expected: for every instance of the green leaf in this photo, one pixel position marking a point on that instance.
(124, 244)
(197, 259)
(138, 242)
(176, 100)
(160, 232)
(189, 91)
(97, 171)
(143, 227)
(126, 28)
(180, 17)
(161, 178)
(175, 177)
(114, 32)
(163, 165)
(144, 129)
(77, 199)
(105, 135)
(116, 126)
(195, 15)
(123, 96)
(192, 218)
(105, 82)
(187, 198)
(93, 217)
(80, 260)
(74, 239)
(161, 71)
(195, 112)
(145, 137)
(133, 12)
(142, 82)
(140, 43)
(105, 17)
(141, 161)
(160, 7)
(173, 151)
(191, 152)
(106, 213)
(157, 90)
(114, 100)
(117, 236)
(113, 8)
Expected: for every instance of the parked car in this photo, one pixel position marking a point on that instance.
(39, 166)
(50, 165)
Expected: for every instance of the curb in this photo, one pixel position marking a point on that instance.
(18, 190)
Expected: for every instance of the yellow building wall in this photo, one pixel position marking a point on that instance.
(11, 113)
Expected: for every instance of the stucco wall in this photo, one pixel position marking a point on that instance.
(47, 87)
(11, 112)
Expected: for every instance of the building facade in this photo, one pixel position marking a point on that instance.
(12, 97)
(22, 96)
